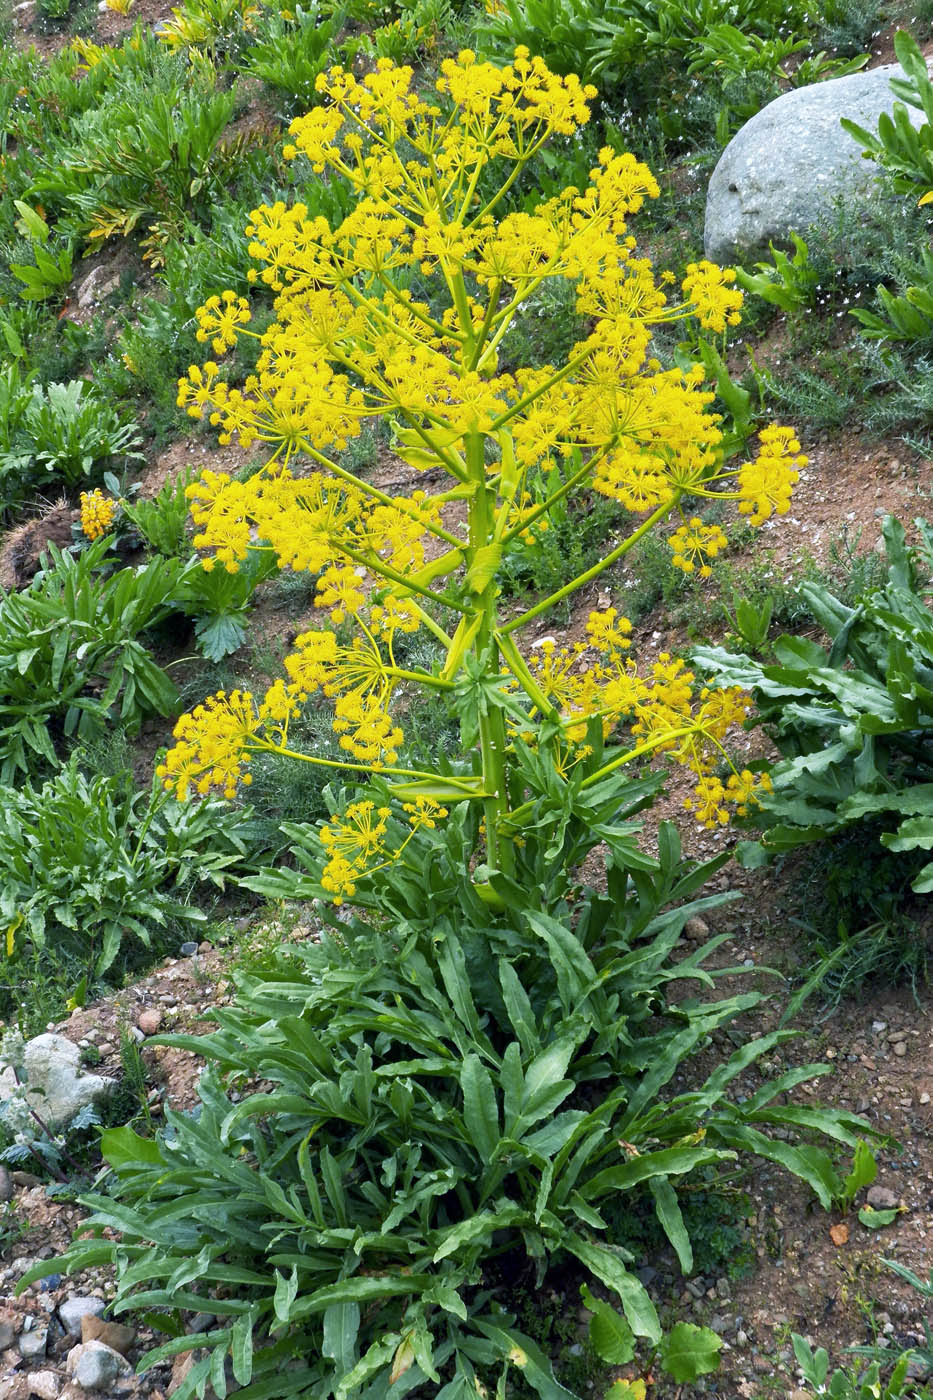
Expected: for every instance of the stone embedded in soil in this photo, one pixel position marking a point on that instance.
(149, 1021)
(112, 1334)
(900, 1048)
(188, 950)
(881, 1198)
(96, 1366)
(6, 1185)
(74, 1310)
(32, 1344)
(56, 1086)
(696, 929)
(7, 1333)
(45, 1385)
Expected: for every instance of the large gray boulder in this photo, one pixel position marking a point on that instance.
(792, 161)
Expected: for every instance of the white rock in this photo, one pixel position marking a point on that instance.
(97, 285)
(54, 1085)
(46, 1385)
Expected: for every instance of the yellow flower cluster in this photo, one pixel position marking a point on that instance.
(219, 320)
(350, 340)
(662, 708)
(710, 289)
(694, 541)
(97, 513)
(355, 842)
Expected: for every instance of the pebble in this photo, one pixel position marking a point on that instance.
(46, 1385)
(188, 950)
(881, 1198)
(7, 1333)
(113, 1334)
(74, 1310)
(6, 1185)
(149, 1021)
(741, 1338)
(32, 1344)
(95, 1366)
(900, 1048)
(696, 929)
(924, 1098)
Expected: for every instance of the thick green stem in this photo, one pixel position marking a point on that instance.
(493, 739)
(582, 579)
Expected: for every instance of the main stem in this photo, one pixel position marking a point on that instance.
(492, 735)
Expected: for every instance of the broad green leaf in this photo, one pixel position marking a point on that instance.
(609, 1269)
(612, 1338)
(668, 1212)
(286, 1290)
(121, 1148)
(689, 1351)
(864, 1170)
(876, 1219)
(480, 1111)
(341, 1328)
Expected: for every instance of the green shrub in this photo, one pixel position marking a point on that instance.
(220, 602)
(70, 658)
(162, 520)
(354, 1222)
(288, 54)
(852, 724)
(87, 864)
(70, 431)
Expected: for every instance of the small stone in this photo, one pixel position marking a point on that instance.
(32, 1344)
(881, 1198)
(900, 1048)
(924, 1098)
(149, 1021)
(74, 1310)
(205, 947)
(95, 287)
(112, 1334)
(105, 1048)
(6, 1185)
(799, 1395)
(741, 1338)
(7, 1333)
(696, 929)
(46, 1385)
(26, 1180)
(723, 1288)
(188, 950)
(95, 1366)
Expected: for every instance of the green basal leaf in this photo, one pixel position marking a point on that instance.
(876, 1219)
(611, 1337)
(688, 1351)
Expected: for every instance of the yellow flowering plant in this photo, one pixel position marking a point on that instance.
(401, 310)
